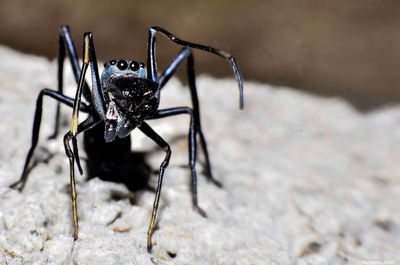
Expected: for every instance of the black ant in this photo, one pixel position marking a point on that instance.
(121, 100)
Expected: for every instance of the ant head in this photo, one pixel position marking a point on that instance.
(126, 80)
(123, 67)
(129, 97)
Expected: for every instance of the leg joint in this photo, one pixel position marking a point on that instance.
(168, 152)
(68, 151)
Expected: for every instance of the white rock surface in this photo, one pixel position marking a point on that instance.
(307, 180)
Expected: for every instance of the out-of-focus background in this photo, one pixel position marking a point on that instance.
(340, 48)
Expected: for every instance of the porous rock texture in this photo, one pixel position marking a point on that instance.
(306, 180)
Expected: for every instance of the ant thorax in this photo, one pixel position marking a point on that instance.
(129, 97)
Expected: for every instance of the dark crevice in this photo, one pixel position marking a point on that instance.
(385, 225)
(311, 248)
(171, 254)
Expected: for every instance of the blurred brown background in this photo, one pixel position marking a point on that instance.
(333, 48)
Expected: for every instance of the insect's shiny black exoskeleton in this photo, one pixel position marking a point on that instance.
(129, 95)
(121, 100)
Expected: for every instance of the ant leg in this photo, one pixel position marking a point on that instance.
(186, 53)
(89, 123)
(96, 95)
(89, 56)
(148, 131)
(151, 57)
(36, 127)
(192, 147)
(183, 54)
(61, 56)
(66, 43)
(196, 113)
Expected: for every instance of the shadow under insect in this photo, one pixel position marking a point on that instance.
(116, 162)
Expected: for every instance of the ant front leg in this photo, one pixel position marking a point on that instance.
(89, 57)
(151, 57)
(36, 128)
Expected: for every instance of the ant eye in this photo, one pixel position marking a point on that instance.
(113, 62)
(142, 65)
(134, 66)
(122, 65)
